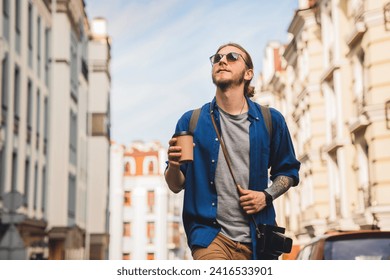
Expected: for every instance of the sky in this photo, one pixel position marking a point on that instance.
(160, 52)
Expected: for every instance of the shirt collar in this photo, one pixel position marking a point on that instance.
(253, 113)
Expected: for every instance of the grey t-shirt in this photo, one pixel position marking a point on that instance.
(230, 215)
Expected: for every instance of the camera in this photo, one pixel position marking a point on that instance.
(272, 242)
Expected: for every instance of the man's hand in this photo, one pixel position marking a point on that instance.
(173, 176)
(174, 153)
(251, 201)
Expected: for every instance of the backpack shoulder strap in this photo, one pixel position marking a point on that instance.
(194, 120)
(267, 119)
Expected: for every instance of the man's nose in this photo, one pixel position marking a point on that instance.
(223, 59)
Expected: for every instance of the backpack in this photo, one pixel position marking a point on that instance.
(264, 110)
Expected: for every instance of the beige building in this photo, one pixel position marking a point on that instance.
(48, 140)
(334, 92)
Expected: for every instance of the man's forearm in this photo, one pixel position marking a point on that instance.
(280, 185)
(174, 178)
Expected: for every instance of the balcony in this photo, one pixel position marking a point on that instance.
(290, 53)
(357, 124)
(356, 34)
(328, 73)
(99, 124)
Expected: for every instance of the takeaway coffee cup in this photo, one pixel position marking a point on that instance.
(185, 141)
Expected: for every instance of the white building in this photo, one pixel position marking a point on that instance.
(145, 218)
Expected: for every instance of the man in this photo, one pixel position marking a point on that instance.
(215, 215)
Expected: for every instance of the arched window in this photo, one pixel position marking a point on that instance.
(151, 201)
(126, 229)
(150, 165)
(151, 168)
(127, 169)
(127, 198)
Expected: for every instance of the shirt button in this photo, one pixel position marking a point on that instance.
(213, 204)
(216, 139)
(211, 182)
(212, 161)
(214, 223)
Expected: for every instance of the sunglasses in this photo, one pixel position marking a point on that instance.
(231, 57)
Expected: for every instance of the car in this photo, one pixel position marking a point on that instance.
(348, 245)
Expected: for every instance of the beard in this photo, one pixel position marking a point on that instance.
(225, 84)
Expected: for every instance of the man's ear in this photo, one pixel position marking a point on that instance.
(248, 74)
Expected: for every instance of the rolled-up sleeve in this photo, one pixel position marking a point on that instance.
(282, 156)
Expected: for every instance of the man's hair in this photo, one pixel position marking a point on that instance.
(248, 89)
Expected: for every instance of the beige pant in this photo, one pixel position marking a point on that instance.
(223, 248)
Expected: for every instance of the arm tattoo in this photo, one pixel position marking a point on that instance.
(280, 186)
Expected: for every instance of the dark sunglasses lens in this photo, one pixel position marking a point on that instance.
(216, 58)
(232, 56)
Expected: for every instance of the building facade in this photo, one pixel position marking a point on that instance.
(335, 96)
(145, 219)
(46, 130)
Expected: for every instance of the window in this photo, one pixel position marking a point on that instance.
(71, 199)
(39, 46)
(176, 234)
(359, 82)
(30, 34)
(43, 206)
(35, 186)
(26, 182)
(47, 56)
(73, 138)
(73, 67)
(6, 19)
(150, 232)
(358, 248)
(127, 198)
(151, 168)
(126, 229)
(38, 119)
(17, 25)
(99, 124)
(151, 201)
(29, 110)
(4, 89)
(16, 99)
(127, 169)
(14, 171)
(2, 170)
(45, 123)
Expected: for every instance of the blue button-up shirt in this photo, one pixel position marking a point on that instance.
(200, 197)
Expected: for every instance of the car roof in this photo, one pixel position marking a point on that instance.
(340, 234)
